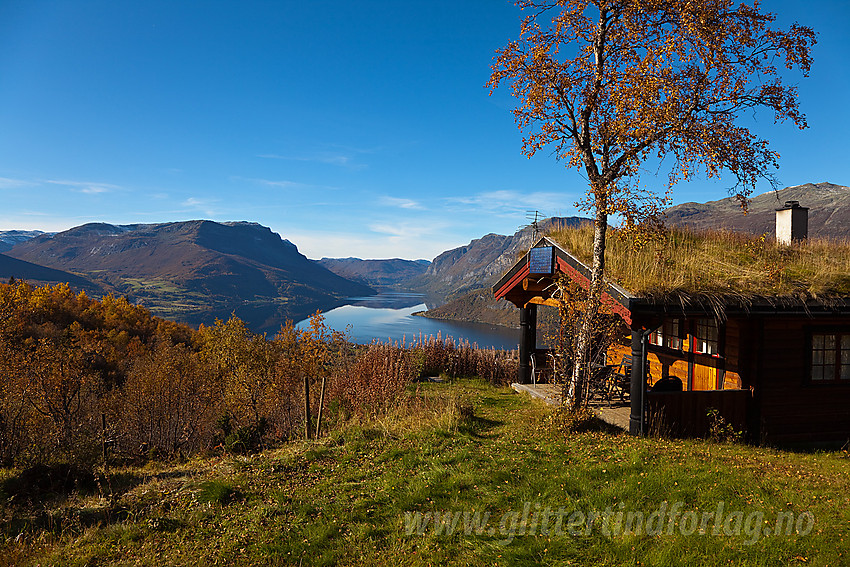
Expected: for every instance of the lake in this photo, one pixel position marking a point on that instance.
(389, 316)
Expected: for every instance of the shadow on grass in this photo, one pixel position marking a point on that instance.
(504, 401)
(37, 497)
(479, 427)
(49, 482)
(598, 425)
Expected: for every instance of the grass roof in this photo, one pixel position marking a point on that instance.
(723, 267)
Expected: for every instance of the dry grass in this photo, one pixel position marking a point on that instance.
(724, 266)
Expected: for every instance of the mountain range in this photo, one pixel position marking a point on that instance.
(392, 273)
(8, 238)
(195, 271)
(828, 204)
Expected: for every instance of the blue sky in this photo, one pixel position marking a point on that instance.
(352, 128)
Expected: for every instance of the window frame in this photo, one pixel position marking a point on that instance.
(838, 337)
(706, 323)
(669, 334)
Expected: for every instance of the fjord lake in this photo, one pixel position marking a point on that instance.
(390, 317)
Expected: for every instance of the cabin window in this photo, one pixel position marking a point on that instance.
(656, 337)
(830, 357)
(705, 336)
(671, 333)
(667, 335)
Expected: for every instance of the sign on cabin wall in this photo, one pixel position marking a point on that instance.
(541, 260)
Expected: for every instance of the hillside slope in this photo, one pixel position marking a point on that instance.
(829, 211)
(40, 275)
(196, 270)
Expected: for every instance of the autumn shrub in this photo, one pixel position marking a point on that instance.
(81, 377)
(65, 398)
(375, 380)
(168, 402)
(437, 356)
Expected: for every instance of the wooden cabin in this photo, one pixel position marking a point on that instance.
(776, 366)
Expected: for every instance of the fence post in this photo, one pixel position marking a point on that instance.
(306, 406)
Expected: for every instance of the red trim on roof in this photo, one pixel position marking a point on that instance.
(614, 305)
(520, 275)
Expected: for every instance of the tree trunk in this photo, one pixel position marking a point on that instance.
(581, 368)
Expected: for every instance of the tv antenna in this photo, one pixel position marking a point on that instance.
(535, 217)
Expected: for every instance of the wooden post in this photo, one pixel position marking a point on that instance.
(524, 370)
(321, 406)
(527, 341)
(103, 437)
(306, 406)
(638, 385)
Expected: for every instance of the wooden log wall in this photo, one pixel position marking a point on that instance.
(686, 414)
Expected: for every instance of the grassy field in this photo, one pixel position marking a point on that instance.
(464, 474)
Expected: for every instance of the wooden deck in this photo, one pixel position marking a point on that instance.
(616, 414)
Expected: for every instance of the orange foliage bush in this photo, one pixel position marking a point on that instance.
(77, 374)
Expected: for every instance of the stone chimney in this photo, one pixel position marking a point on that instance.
(792, 223)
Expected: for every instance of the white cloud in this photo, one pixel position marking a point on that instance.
(281, 183)
(332, 159)
(389, 241)
(513, 203)
(204, 206)
(7, 183)
(400, 203)
(339, 155)
(329, 158)
(85, 186)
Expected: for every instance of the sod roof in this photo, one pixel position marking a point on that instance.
(719, 267)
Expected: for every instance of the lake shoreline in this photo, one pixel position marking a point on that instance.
(401, 317)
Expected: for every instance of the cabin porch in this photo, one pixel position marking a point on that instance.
(683, 348)
(616, 414)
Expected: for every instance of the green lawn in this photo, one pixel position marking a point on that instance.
(466, 475)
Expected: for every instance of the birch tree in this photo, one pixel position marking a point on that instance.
(610, 84)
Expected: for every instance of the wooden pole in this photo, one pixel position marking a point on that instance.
(306, 406)
(103, 437)
(321, 407)
(524, 348)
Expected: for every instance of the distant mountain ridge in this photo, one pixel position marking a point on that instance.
(480, 263)
(9, 238)
(390, 273)
(464, 275)
(193, 270)
(828, 203)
